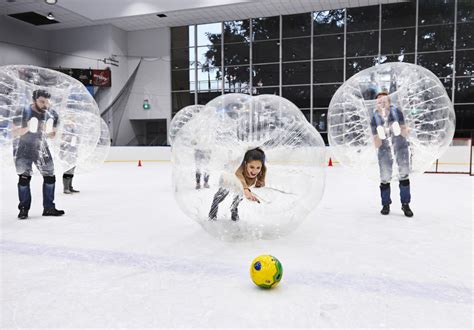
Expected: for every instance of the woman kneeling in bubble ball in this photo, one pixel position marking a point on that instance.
(251, 173)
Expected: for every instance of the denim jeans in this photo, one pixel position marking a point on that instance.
(24, 194)
(384, 154)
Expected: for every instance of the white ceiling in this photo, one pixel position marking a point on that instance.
(131, 15)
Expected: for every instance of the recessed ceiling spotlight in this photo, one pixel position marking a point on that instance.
(50, 16)
(51, 2)
(161, 15)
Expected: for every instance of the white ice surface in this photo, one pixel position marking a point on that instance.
(124, 255)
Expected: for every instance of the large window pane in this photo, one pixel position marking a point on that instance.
(266, 28)
(354, 65)
(181, 100)
(399, 15)
(328, 21)
(435, 12)
(296, 49)
(328, 46)
(182, 80)
(266, 51)
(209, 56)
(398, 41)
(299, 95)
(465, 63)
(182, 58)
(208, 34)
(296, 25)
(434, 38)
(362, 18)
(237, 78)
(204, 97)
(182, 36)
(464, 116)
(464, 92)
(296, 73)
(362, 44)
(236, 54)
(465, 11)
(328, 71)
(209, 78)
(322, 94)
(465, 35)
(441, 64)
(266, 75)
(237, 31)
(448, 86)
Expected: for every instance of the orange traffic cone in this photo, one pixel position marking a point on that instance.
(139, 163)
(330, 162)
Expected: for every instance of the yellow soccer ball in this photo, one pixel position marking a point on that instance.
(266, 271)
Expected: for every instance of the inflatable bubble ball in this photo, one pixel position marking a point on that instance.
(390, 121)
(248, 167)
(49, 121)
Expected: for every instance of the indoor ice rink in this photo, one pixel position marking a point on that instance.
(138, 246)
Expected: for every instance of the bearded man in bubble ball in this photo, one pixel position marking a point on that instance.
(32, 129)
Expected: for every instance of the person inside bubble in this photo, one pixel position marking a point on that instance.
(390, 134)
(202, 157)
(32, 129)
(251, 173)
(68, 150)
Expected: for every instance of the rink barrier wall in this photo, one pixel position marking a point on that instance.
(456, 157)
(134, 154)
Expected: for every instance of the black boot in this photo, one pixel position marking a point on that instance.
(406, 209)
(66, 185)
(53, 212)
(71, 189)
(234, 215)
(23, 213)
(385, 209)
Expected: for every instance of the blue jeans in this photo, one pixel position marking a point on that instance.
(405, 195)
(24, 168)
(384, 155)
(24, 193)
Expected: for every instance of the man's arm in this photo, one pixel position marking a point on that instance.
(19, 131)
(377, 141)
(401, 120)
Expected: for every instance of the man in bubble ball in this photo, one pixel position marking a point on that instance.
(388, 125)
(202, 157)
(69, 151)
(251, 173)
(36, 124)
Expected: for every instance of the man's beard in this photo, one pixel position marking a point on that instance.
(42, 110)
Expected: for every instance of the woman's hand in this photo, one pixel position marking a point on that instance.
(250, 196)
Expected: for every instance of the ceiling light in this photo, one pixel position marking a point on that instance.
(51, 2)
(50, 16)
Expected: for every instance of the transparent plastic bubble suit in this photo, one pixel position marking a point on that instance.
(181, 118)
(390, 120)
(214, 142)
(50, 122)
(100, 153)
